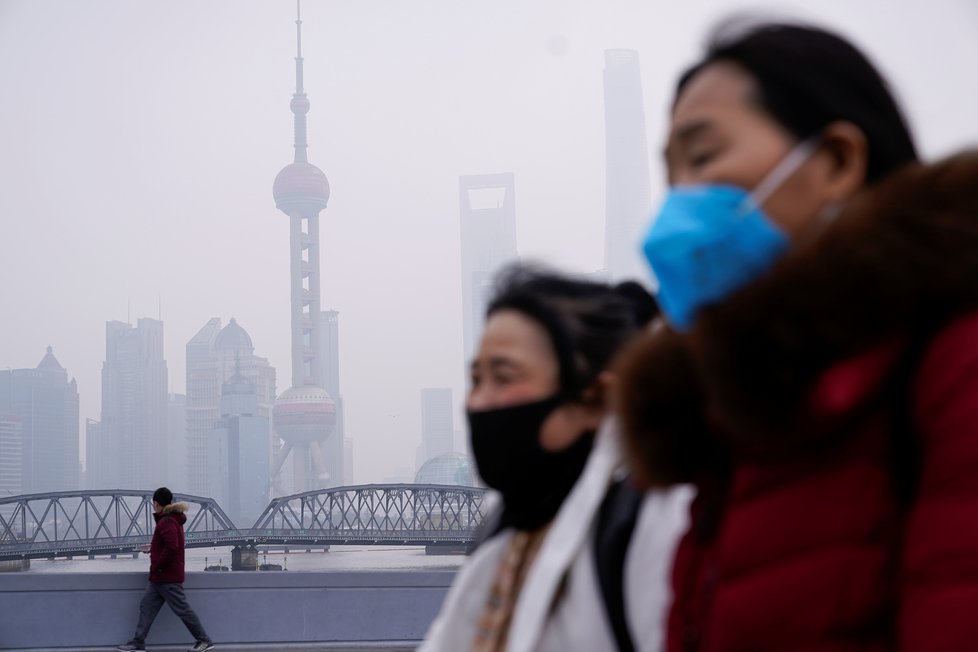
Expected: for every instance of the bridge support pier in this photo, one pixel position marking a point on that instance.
(15, 565)
(244, 558)
(446, 549)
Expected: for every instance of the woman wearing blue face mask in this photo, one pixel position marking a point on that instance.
(536, 411)
(819, 379)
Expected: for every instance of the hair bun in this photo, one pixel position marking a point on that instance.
(643, 304)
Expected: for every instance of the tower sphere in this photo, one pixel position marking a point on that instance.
(304, 414)
(300, 188)
(299, 104)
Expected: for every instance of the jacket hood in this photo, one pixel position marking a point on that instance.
(177, 510)
(898, 261)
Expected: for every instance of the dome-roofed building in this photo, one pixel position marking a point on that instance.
(450, 468)
(233, 336)
(238, 385)
(221, 362)
(238, 451)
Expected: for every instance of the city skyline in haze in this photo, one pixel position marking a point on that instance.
(141, 142)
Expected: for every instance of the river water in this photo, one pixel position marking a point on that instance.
(338, 558)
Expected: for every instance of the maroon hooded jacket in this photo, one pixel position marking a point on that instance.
(166, 550)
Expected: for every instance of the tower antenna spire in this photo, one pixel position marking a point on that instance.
(298, 30)
(298, 46)
(300, 103)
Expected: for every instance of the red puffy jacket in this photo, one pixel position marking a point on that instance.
(166, 550)
(828, 412)
(817, 554)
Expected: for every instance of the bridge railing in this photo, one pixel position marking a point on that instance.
(103, 522)
(66, 522)
(440, 508)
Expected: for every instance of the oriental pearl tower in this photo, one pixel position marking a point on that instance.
(304, 414)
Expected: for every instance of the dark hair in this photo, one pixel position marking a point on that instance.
(587, 321)
(808, 78)
(163, 496)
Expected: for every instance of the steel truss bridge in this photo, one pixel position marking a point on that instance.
(88, 523)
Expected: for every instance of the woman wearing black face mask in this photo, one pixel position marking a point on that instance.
(536, 410)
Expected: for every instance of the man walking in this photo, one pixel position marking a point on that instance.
(166, 575)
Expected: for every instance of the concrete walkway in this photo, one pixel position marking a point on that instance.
(364, 646)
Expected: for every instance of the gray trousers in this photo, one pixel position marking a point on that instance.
(153, 599)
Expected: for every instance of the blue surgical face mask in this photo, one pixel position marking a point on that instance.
(709, 240)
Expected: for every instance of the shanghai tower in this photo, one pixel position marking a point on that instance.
(304, 414)
(627, 181)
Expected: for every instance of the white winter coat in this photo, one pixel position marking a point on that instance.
(578, 621)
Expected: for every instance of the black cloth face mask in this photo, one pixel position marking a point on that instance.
(533, 481)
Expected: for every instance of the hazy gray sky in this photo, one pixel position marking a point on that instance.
(139, 142)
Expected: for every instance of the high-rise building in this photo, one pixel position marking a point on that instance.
(627, 193)
(46, 402)
(238, 454)
(130, 451)
(304, 414)
(487, 219)
(330, 350)
(94, 467)
(203, 402)
(334, 447)
(176, 442)
(348, 478)
(437, 424)
(213, 355)
(11, 455)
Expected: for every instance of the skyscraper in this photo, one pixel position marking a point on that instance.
(627, 194)
(203, 401)
(304, 414)
(348, 478)
(176, 441)
(94, 467)
(46, 403)
(437, 424)
(238, 453)
(335, 446)
(213, 355)
(487, 219)
(131, 449)
(11, 455)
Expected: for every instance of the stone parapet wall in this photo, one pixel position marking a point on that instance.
(72, 610)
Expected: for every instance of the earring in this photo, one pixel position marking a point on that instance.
(829, 212)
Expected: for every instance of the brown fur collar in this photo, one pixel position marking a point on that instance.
(901, 259)
(175, 508)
